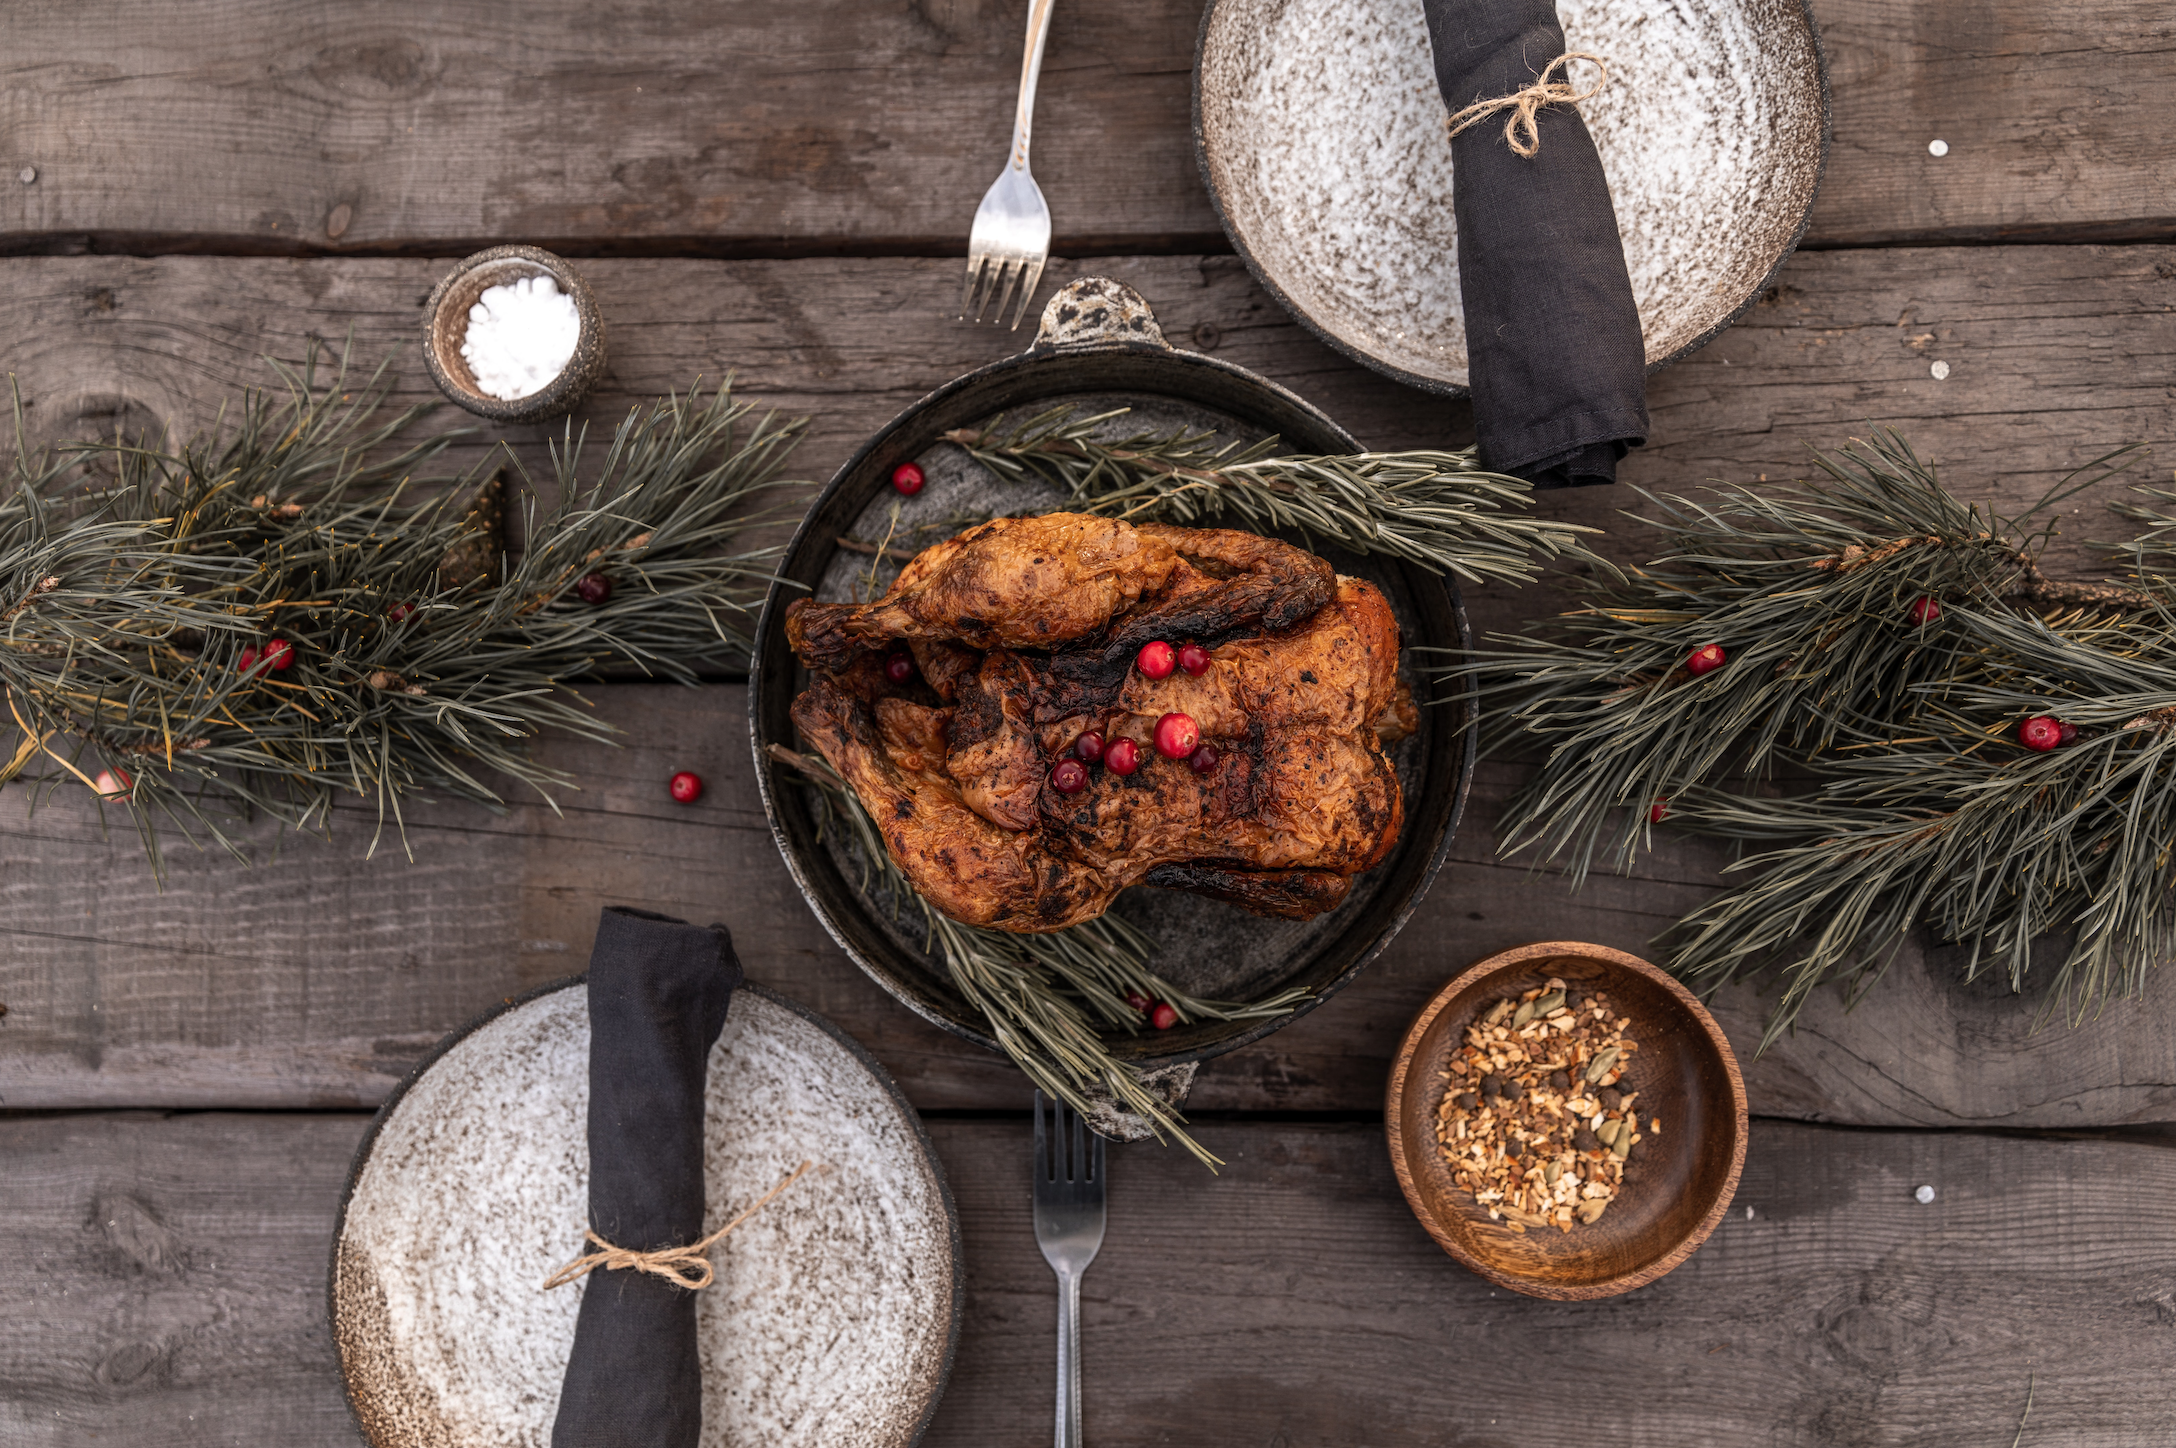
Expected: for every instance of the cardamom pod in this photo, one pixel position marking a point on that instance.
(1522, 1015)
(1599, 1066)
(1549, 1004)
(1622, 1146)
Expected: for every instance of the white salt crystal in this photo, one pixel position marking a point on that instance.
(1923, 1196)
(1939, 371)
(520, 336)
(1938, 148)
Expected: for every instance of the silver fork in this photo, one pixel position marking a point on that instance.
(1069, 1229)
(1011, 237)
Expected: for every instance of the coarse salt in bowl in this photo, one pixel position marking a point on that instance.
(513, 334)
(520, 336)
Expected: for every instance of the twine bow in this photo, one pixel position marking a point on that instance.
(1520, 132)
(687, 1266)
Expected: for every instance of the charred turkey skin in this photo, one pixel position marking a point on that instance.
(1024, 632)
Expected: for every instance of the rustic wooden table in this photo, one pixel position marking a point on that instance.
(784, 191)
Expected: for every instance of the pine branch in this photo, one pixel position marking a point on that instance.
(1884, 643)
(1435, 509)
(140, 611)
(1049, 997)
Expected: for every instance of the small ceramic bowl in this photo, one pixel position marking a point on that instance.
(445, 326)
(1678, 1182)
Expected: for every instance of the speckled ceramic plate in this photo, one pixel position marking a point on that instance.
(1320, 133)
(835, 1310)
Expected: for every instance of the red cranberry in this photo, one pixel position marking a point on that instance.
(1658, 811)
(1705, 657)
(899, 668)
(1926, 611)
(112, 783)
(1164, 1017)
(1194, 659)
(908, 478)
(401, 612)
(1205, 759)
(249, 657)
(1177, 735)
(279, 655)
(1121, 756)
(1157, 659)
(1088, 749)
(2040, 734)
(1069, 776)
(594, 588)
(2070, 730)
(687, 788)
(1138, 1001)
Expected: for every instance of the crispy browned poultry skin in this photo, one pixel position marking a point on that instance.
(1044, 583)
(1302, 799)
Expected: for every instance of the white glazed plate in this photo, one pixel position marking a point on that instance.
(1321, 137)
(835, 1309)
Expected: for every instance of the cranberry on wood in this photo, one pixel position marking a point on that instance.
(687, 787)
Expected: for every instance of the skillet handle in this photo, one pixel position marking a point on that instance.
(1092, 314)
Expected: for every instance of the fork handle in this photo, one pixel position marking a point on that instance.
(1069, 1435)
(1031, 68)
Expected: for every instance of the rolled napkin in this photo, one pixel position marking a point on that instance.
(1554, 354)
(658, 993)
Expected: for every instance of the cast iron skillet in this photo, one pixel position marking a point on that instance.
(1099, 342)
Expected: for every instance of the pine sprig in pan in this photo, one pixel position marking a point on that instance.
(1436, 509)
(134, 617)
(1046, 997)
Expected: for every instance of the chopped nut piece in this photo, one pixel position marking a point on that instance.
(1544, 1140)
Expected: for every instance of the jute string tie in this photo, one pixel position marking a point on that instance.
(1520, 132)
(687, 1266)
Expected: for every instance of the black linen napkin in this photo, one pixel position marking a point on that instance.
(1554, 355)
(658, 993)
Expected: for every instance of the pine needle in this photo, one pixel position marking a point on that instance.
(1868, 759)
(128, 607)
(1435, 509)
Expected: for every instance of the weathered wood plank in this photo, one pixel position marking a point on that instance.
(169, 1288)
(293, 985)
(684, 128)
(318, 978)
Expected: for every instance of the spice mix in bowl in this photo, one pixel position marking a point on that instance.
(1566, 1120)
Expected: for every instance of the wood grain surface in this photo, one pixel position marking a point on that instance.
(166, 1285)
(741, 128)
(317, 978)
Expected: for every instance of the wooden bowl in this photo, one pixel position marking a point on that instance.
(1677, 1184)
(445, 326)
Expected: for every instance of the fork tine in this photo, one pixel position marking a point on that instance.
(976, 263)
(1033, 275)
(1001, 289)
(1042, 1144)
